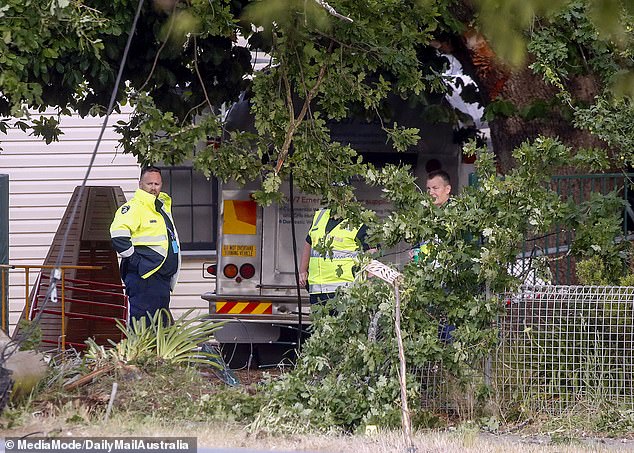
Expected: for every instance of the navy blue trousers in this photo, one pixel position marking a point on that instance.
(321, 298)
(444, 333)
(147, 295)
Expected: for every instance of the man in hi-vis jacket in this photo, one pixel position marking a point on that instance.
(144, 235)
(325, 273)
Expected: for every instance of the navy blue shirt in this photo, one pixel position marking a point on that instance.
(170, 266)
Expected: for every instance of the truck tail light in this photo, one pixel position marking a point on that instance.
(247, 271)
(230, 271)
(212, 269)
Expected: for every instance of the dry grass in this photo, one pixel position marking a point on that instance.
(218, 435)
(150, 404)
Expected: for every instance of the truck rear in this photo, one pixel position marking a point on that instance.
(256, 290)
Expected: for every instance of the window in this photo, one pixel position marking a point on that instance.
(194, 207)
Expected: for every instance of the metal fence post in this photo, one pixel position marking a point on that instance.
(489, 360)
(4, 248)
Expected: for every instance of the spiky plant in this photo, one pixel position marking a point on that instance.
(151, 337)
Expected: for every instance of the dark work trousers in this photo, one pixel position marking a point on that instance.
(147, 295)
(444, 333)
(321, 299)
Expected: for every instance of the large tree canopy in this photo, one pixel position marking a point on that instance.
(556, 68)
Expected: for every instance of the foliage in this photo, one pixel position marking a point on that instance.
(231, 404)
(150, 339)
(161, 391)
(591, 271)
(597, 223)
(606, 119)
(574, 47)
(162, 133)
(30, 335)
(616, 421)
(504, 24)
(65, 54)
(324, 69)
(347, 374)
(184, 64)
(167, 392)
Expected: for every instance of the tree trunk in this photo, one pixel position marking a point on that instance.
(524, 90)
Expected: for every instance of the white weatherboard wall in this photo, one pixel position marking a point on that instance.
(41, 181)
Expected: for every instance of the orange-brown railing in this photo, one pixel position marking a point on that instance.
(29, 311)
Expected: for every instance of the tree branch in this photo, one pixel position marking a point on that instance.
(295, 122)
(158, 53)
(332, 11)
(200, 79)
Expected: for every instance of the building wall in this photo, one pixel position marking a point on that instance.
(41, 181)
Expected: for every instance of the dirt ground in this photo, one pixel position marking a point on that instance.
(75, 418)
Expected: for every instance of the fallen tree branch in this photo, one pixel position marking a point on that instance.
(88, 378)
(295, 122)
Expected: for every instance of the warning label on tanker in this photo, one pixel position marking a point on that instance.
(238, 250)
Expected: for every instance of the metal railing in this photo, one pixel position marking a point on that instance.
(4, 270)
(79, 288)
(70, 291)
(578, 188)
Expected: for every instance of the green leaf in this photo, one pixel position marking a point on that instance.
(499, 108)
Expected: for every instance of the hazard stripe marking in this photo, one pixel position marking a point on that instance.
(244, 308)
(238, 307)
(265, 308)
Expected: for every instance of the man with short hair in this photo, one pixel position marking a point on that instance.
(144, 235)
(439, 186)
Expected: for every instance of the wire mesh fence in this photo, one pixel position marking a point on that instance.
(561, 345)
(558, 346)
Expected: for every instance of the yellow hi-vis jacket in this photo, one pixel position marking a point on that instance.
(329, 272)
(139, 227)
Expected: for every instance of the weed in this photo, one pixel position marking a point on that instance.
(231, 404)
(14, 416)
(616, 421)
(427, 419)
(563, 439)
(30, 335)
(468, 432)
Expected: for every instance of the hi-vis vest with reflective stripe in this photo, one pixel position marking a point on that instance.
(141, 224)
(327, 273)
